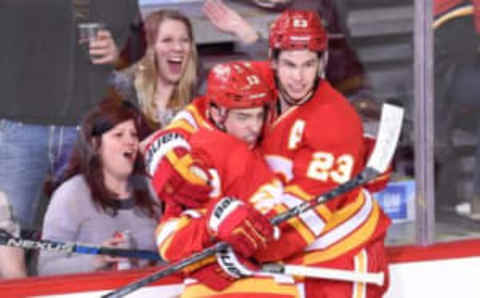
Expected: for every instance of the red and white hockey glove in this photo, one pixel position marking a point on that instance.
(237, 223)
(176, 177)
(182, 180)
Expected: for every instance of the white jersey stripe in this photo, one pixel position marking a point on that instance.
(311, 219)
(301, 290)
(168, 229)
(361, 266)
(345, 228)
(192, 213)
(185, 115)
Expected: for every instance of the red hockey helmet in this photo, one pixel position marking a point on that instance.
(298, 29)
(236, 85)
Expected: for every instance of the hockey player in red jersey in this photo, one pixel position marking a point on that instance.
(222, 149)
(315, 144)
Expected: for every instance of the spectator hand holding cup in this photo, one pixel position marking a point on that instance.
(99, 42)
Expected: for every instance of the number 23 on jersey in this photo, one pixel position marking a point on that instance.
(324, 165)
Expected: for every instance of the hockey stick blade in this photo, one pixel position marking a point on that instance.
(387, 139)
(7, 239)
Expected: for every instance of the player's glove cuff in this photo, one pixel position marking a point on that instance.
(234, 266)
(159, 147)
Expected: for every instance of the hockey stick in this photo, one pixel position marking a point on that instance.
(67, 247)
(387, 139)
(325, 273)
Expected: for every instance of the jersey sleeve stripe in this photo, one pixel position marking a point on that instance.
(358, 237)
(182, 124)
(350, 213)
(322, 210)
(197, 117)
(166, 231)
(297, 224)
(192, 213)
(360, 263)
(345, 221)
(185, 116)
(459, 12)
(310, 224)
(181, 165)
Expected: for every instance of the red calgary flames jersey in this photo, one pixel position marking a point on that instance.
(237, 171)
(315, 147)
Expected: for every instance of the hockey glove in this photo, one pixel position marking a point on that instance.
(176, 177)
(182, 180)
(239, 224)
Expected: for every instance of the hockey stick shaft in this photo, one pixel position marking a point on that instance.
(8, 240)
(389, 132)
(325, 273)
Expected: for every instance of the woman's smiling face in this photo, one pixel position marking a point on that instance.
(173, 48)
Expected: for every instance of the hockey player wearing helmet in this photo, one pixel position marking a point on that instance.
(298, 51)
(293, 36)
(236, 102)
(239, 101)
(316, 143)
(220, 132)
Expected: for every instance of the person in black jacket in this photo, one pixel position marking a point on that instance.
(48, 82)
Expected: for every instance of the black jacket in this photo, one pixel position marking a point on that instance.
(45, 77)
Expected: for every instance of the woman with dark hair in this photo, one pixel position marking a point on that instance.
(103, 194)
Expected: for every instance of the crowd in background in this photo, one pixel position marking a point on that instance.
(69, 143)
(76, 118)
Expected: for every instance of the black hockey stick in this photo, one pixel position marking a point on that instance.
(387, 139)
(67, 247)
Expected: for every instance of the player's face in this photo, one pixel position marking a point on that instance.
(245, 124)
(173, 50)
(118, 150)
(297, 71)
